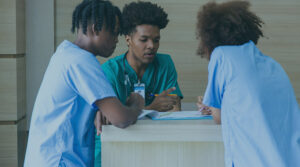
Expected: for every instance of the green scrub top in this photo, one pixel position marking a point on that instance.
(160, 75)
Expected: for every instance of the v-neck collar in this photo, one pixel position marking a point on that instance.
(132, 74)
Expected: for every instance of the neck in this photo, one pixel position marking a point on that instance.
(136, 65)
(83, 42)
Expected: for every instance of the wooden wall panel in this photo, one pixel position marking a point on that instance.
(12, 27)
(20, 27)
(63, 20)
(12, 88)
(13, 140)
(178, 38)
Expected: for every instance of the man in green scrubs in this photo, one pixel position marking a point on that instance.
(141, 66)
(142, 22)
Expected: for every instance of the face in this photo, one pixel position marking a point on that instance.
(104, 42)
(143, 43)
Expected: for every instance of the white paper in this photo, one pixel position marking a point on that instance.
(171, 115)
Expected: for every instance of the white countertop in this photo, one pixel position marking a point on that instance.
(164, 130)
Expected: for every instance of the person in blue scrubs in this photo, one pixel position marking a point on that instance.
(248, 92)
(142, 22)
(74, 87)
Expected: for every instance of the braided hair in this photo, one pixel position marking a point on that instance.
(96, 12)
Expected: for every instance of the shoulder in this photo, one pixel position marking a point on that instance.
(217, 54)
(233, 51)
(165, 63)
(222, 54)
(70, 54)
(163, 57)
(113, 65)
(217, 58)
(115, 60)
(164, 60)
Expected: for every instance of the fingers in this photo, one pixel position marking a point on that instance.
(127, 101)
(166, 106)
(170, 107)
(168, 91)
(136, 99)
(169, 100)
(200, 99)
(201, 107)
(206, 113)
(199, 103)
(98, 123)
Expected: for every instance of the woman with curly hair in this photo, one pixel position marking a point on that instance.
(141, 68)
(247, 91)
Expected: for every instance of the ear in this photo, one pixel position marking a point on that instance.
(93, 30)
(128, 40)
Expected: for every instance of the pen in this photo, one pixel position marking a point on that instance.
(201, 109)
(158, 94)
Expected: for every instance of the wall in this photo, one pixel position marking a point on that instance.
(51, 20)
(178, 38)
(12, 83)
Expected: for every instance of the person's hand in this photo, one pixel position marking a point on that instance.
(135, 100)
(99, 121)
(164, 102)
(136, 103)
(203, 108)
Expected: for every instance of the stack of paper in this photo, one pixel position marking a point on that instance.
(180, 115)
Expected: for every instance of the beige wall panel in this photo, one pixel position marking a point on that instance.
(12, 26)
(20, 30)
(12, 144)
(7, 26)
(178, 38)
(63, 20)
(12, 88)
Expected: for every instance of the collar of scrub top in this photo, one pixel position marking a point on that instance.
(127, 79)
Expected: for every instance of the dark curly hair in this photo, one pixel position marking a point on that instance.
(95, 12)
(138, 13)
(229, 23)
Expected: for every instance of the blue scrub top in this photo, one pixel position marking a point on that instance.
(160, 75)
(259, 112)
(62, 124)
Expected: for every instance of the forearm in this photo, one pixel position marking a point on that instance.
(163, 105)
(118, 114)
(149, 107)
(129, 118)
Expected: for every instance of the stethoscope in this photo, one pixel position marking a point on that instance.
(128, 83)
